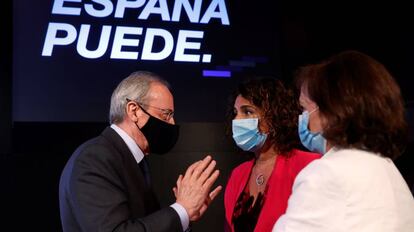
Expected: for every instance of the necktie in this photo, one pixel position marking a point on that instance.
(145, 170)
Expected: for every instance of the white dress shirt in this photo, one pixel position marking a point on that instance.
(349, 190)
(139, 155)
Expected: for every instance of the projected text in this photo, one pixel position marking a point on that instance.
(134, 42)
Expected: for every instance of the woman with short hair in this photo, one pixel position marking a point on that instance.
(354, 115)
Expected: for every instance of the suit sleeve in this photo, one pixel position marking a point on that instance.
(316, 203)
(100, 201)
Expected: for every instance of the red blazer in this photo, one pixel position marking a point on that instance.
(279, 187)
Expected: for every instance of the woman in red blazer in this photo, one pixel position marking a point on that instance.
(264, 122)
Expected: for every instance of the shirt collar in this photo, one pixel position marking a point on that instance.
(330, 152)
(132, 145)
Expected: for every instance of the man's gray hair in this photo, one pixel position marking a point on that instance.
(134, 87)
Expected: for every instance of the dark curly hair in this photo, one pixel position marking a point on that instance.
(279, 106)
(360, 102)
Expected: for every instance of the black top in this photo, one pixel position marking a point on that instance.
(245, 214)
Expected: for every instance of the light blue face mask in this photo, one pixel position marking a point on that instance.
(246, 134)
(313, 141)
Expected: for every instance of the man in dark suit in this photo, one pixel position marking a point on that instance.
(104, 186)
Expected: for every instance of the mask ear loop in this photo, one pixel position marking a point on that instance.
(260, 119)
(317, 108)
(139, 105)
(142, 108)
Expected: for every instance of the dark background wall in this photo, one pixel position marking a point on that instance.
(30, 166)
(6, 79)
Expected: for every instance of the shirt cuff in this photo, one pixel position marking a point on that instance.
(182, 213)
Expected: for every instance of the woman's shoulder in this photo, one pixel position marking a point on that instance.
(356, 159)
(241, 170)
(340, 161)
(243, 167)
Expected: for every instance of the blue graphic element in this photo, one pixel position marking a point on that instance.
(215, 73)
(235, 66)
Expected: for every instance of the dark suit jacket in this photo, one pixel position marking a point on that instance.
(102, 188)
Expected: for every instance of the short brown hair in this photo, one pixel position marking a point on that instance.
(360, 102)
(279, 106)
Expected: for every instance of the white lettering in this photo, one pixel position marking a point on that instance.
(52, 39)
(120, 41)
(192, 13)
(83, 40)
(150, 34)
(58, 8)
(123, 4)
(182, 44)
(108, 7)
(151, 9)
(212, 13)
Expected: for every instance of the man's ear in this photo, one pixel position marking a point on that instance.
(133, 111)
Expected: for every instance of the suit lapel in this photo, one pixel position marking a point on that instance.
(141, 196)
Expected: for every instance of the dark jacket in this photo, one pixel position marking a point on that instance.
(102, 188)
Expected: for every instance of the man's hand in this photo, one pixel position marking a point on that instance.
(193, 189)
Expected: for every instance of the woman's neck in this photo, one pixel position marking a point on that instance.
(266, 156)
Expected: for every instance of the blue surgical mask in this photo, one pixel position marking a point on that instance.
(246, 134)
(313, 141)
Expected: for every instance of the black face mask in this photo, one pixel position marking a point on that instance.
(161, 136)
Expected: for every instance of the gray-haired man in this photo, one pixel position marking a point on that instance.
(104, 186)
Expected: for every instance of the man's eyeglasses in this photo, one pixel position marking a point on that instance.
(166, 115)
